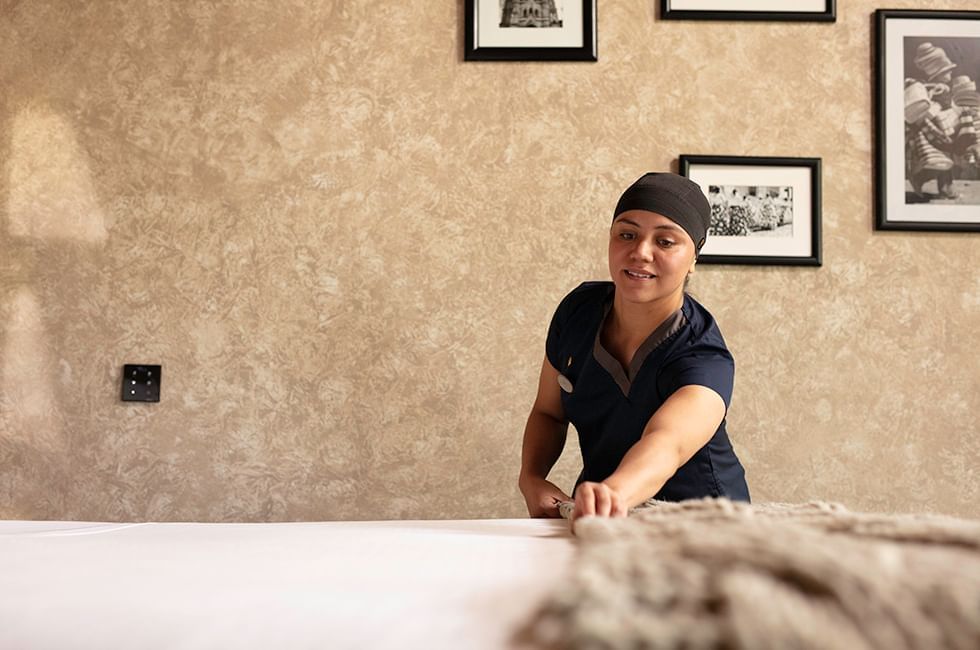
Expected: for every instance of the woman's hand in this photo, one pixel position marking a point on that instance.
(542, 497)
(600, 500)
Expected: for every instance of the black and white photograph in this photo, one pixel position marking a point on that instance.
(539, 14)
(530, 30)
(927, 117)
(751, 210)
(764, 210)
(775, 10)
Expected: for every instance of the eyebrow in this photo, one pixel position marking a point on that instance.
(665, 226)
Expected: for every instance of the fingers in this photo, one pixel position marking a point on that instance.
(551, 499)
(603, 502)
(537, 510)
(550, 508)
(620, 509)
(544, 509)
(599, 500)
(584, 500)
(543, 499)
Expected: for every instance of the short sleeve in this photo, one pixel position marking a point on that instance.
(567, 318)
(552, 343)
(711, 367)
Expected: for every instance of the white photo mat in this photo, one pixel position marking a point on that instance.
(489, 33)
(749, 5)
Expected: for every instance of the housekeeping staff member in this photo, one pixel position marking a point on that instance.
(639, 367)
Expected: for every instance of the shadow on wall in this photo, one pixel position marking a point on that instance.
(50, 200)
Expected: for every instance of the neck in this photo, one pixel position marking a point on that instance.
(635, 321)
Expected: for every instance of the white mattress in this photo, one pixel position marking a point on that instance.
(397, 584)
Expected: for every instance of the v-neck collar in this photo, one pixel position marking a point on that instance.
(623, 378)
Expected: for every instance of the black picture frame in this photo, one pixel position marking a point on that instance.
(792, 189)
(903, 200)
(827, 14)
(526, 50)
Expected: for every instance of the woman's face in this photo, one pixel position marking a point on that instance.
(649, 256)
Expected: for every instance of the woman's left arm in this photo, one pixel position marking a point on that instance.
(677, 430)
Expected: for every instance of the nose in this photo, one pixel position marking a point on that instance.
(643, 250)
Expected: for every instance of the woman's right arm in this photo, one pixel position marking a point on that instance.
(544, 440)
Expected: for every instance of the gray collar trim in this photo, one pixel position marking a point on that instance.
(623, 378)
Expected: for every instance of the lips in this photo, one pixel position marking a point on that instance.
(638, 275)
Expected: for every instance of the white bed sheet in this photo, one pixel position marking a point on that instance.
(391, 584)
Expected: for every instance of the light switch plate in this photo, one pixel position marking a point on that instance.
(141, 383)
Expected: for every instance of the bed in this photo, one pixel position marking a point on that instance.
(698, 575)
(388, 584)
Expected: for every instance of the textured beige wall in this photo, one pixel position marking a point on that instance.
(344, 245)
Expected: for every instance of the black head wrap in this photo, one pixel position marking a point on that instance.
(678, 198)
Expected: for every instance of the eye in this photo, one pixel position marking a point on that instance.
(666, 243)
(627, 236)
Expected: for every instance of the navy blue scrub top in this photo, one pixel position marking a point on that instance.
(610, 405)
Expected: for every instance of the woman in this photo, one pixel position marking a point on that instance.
(640, 369)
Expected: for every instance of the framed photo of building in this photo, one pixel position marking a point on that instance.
(530, 30)
(927, 120)
(810, 10)
(763, 210)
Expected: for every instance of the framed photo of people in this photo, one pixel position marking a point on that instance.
(927, 125)
(764, 210)
(810, 10)
(530, 30)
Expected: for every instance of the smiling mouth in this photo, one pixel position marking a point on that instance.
(639, 276)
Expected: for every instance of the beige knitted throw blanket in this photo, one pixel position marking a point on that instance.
(724, 575)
